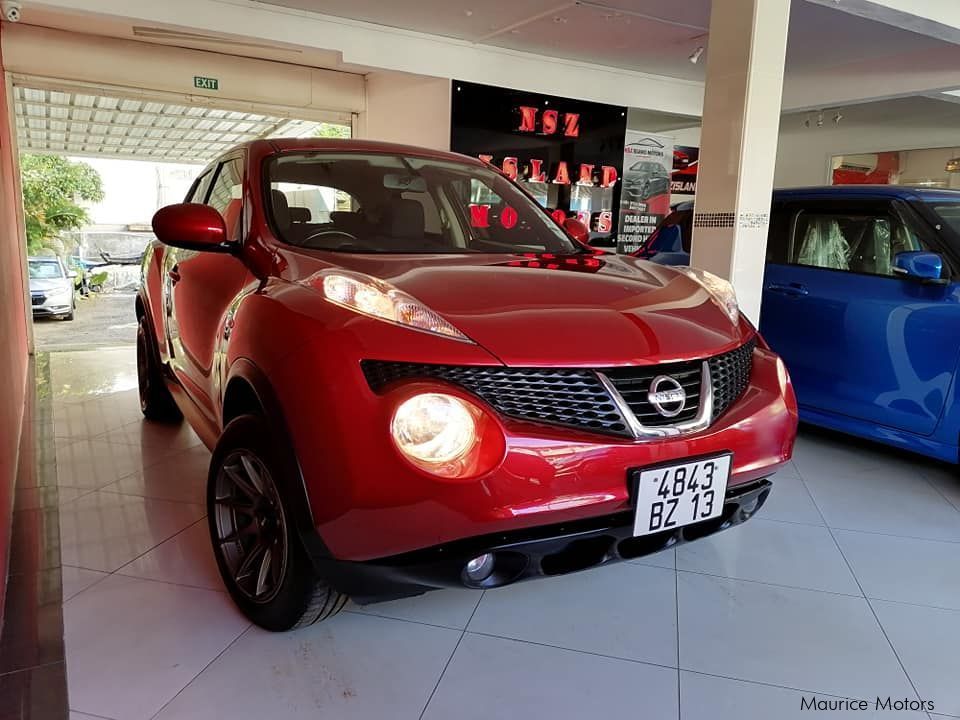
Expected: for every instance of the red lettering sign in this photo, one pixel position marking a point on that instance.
(571, 124)
(605, 221)
(586, 174)
(549, 122)
(584, 217)
(609, 176)
(510, 167)
(479, 216)
(536, 171)
(563, 174)
(528, 119)
(508, 218)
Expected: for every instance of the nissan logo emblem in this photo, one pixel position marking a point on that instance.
(667, 396)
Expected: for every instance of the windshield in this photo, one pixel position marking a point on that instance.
(950, 214)
(375, 203)
(44, 270)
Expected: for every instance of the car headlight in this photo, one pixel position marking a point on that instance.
(369, 296)
(434, 428)
(721, 290)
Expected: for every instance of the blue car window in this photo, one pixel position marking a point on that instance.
(860, 243)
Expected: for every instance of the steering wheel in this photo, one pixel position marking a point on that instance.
(324, 233)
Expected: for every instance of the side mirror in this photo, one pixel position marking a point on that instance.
(192, 226)
(72, 274)
(577, 230)
(927, 267)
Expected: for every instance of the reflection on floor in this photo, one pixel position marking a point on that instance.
(847, 584)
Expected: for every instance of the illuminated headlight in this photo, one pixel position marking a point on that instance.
(378, 299)
(434, 428)
(721, 290)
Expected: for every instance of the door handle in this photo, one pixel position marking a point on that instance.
(792, 290)
(174, 275)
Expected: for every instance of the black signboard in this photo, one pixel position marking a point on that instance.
(568, 153)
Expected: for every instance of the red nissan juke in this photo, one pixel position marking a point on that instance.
(411, 377)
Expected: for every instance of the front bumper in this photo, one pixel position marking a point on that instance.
(529, 553)
(50, 310)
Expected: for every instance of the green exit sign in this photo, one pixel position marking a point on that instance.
(205, 83)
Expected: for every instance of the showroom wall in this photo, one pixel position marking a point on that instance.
(405, 108)
(803, 156)
(13, 329)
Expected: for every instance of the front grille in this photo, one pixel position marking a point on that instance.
(633, 384)
(730, 375)
(576, 397)
(558, 396)
(39, 299)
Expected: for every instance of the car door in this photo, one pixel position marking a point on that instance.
(859, 341)
(201, 286)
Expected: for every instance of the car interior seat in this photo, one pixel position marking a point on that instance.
(824, 245)
(231, 218)
(403, 221)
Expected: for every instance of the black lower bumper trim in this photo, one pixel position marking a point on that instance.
(525, 554)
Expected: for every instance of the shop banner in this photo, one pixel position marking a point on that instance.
(683, 180)
(645, 190)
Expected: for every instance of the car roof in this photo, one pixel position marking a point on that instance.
(278, 145)
(43, 258)
(904, 192)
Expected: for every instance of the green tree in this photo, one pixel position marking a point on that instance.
(329, 130)
(53, 188)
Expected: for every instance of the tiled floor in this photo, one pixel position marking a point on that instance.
(846, 585)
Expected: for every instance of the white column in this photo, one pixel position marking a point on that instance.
(741, 118)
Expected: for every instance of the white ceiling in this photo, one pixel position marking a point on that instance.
(653, 36)
(78, 123)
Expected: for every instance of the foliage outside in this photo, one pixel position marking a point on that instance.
(53, 187)
(328, 130)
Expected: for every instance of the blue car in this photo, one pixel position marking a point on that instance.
(862, 300)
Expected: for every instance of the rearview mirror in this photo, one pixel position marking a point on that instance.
(72, 274)
(919, 265)
(577, 230)
(193, 227)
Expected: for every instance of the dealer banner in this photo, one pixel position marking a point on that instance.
(645, 188)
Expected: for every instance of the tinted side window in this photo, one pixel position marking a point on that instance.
(778, 236)
(861, 242)
(199, 190)
(226, 195)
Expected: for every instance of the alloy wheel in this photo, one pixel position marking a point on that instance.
(250, 525)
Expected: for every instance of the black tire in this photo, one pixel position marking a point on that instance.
(250, 516)
(156, 402)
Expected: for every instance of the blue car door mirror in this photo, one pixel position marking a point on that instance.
(919, 265)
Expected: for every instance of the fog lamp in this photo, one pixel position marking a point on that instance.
(480, 568)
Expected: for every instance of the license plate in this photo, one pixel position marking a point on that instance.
(671, 496)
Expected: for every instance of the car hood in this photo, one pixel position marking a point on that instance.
(581, 310)
(49, 284)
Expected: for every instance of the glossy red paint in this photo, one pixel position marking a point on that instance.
(261, 309)
(191, 226)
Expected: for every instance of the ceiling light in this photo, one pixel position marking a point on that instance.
(953, 165)
(696, 55)
(837, 118)
(820, 119)
(806, 121)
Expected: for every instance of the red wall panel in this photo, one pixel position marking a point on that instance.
(13, 326)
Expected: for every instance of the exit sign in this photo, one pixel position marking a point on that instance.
(206, 83)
